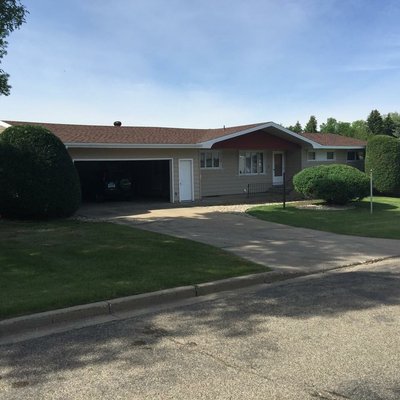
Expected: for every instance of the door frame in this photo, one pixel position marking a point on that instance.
(274, 180)
(192, 178)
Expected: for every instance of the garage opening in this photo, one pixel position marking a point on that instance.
(125, 180)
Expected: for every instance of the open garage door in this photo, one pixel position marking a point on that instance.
(125, 180)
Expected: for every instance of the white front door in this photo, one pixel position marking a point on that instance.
(278, 167)
(185, 180)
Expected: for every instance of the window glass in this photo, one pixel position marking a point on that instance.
(202, 160)
(215, 159)
(330, 155)
(242, 163)
(351, 156)
(260, 163)
(311, 155)
(254, 163)
(251, 163)
(248, 163)
(210, 159)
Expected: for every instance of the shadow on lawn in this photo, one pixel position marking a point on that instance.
(139, 342)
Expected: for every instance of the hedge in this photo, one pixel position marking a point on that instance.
(383, 157)
(37, 176)
(335, 183)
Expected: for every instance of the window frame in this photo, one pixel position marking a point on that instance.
(259, 163)
(213, 153)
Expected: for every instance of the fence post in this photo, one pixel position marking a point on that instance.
(284, 190)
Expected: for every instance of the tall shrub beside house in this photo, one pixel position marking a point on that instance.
(383, 157)
(37, 176)
(335, 183)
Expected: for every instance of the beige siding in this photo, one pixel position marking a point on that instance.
(226, 180)
(143, 154)
(340, 158)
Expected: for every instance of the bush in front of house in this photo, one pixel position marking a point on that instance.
(383, 157)
(37, 176)
(335, 183)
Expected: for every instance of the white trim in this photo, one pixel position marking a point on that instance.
(122, 159)
(130, 146)
(4, 124)
(192, 173)
(171, 168)
(172, 181)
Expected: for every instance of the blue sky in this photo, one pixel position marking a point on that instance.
(203, 63)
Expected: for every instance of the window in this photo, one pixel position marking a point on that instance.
(330, 155)
(355, 155)
(210, 159)
(320, 155)
(311, 156)
(251, 163)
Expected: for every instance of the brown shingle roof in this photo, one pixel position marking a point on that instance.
(330, 139)
(140, 135)
(133, 134)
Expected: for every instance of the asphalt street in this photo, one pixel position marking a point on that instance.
(330, 336)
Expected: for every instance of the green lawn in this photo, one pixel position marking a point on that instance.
(383, 223)
(49, 265)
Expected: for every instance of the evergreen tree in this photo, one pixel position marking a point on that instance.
(375, 123)
(311, 125)
(296, 128)
(388, 126)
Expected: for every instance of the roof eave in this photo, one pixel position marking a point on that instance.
(4, 124)
(129, 146)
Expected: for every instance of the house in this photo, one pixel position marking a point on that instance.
(179, 164)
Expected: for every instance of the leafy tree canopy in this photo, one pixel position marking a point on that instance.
(12, 16)
(330, 126)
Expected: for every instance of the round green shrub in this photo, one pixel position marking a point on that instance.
(383, 157)
(335, 183)
(37, 176)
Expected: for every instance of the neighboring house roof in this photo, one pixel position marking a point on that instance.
(138, 136)
(331, 139)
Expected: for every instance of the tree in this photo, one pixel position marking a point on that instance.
(360, 129)
(296, 128)
(388, 125)
(311, 125)
(375, 122)
(37, 176)
(12, 16)
(395, 116)
(330, 126)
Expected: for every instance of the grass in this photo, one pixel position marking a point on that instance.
(383, 223)
(50, 265)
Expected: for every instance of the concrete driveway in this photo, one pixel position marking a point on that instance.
(228, 227)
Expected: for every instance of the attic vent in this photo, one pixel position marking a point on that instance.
(117, 123)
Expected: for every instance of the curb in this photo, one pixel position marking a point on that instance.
(106, 308)
(109, 308)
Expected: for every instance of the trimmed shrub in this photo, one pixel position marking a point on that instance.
(37, 176)
(383, 157)
(335, 183)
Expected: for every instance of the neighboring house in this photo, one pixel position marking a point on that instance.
(188, 164)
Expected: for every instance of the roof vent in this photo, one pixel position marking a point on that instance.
(117, 123)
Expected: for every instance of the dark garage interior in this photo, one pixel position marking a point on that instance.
(125, 180)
